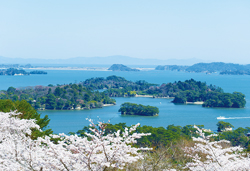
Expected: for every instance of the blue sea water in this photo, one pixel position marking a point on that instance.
(71, 121)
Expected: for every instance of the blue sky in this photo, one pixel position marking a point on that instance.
(215, 30)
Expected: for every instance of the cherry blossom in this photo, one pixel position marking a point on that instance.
(94, 152)
(209, 155)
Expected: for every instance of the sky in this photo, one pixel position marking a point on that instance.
(214, 30)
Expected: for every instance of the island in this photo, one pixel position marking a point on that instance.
(138, 109)
(183, 92)
(197, 92)
(120, 67)
(14, 71)
(220, 67)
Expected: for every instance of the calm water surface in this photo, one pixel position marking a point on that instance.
(71, 121)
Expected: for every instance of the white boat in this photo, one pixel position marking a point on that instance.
(221, 117)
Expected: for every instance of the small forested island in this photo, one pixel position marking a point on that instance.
(222, 68)
(209, 96)
(120, 67)
(14, 71)
(138, 109)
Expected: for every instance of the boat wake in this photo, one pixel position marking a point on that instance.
(222, 117)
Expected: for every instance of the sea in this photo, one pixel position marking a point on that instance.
(170, 114)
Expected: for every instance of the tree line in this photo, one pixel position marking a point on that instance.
(172, 134)
(61, 97)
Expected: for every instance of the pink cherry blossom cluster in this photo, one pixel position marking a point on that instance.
(97, 151)
(208, 155)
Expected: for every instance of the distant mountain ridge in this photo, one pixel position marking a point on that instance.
(109, 60)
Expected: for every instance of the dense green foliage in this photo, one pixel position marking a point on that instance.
(27, 112)
(238, 137)
(135, 109)
(117, 86)
(216, 99)
(64, 97)
(223, 125)
(191, 89)
(159, 136)
(120, 87)
(212, 96)
(163, 137)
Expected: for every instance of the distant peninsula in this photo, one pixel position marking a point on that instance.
(120, 67)
(14, 71)
(222, 68)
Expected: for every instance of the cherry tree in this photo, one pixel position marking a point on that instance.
(216, 155)
(17, 150)
(97, 151)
